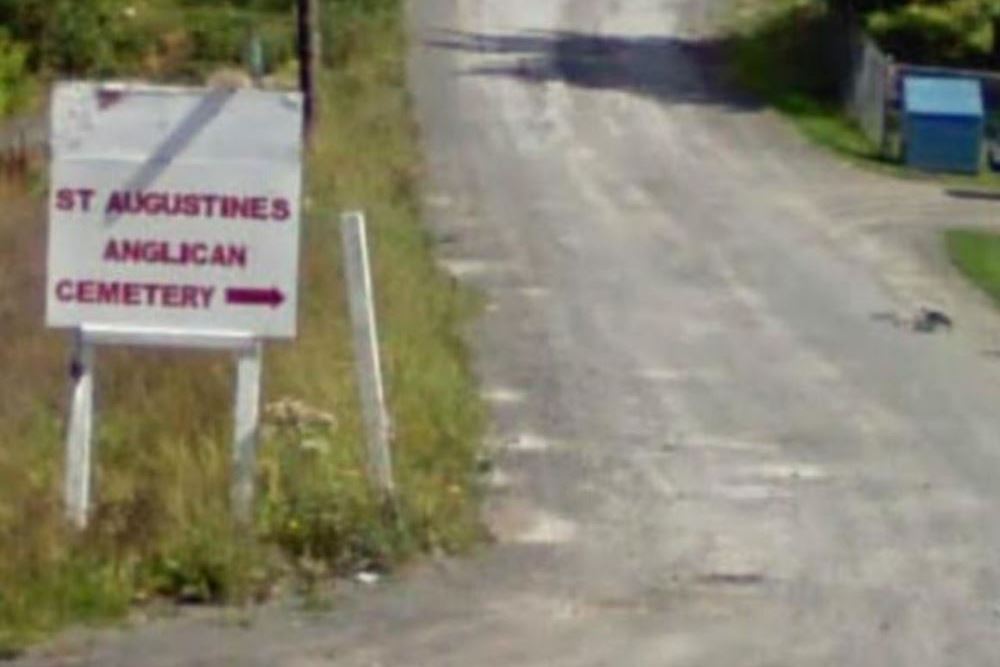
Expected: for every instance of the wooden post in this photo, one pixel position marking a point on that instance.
(309, 60)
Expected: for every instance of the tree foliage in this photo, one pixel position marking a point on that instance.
(951, 32)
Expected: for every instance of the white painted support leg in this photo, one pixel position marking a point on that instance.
(249, 365)
(366, 351)
(80, 434)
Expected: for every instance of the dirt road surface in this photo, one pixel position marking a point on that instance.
(712, 445)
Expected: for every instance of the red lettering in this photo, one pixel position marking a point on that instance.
(280, 210)
(258, 208)
(237, 256)
(189, 297)
(190, 206)
(116, 205)
(156, 203)
(86, 291)
(210, 201)
(108, 292)
(199, 254)
(172, 296)
(131, 296)
(111, 252)
(86, 195)
(178, 204)
(64, 291)
(151, 291)
(131, 251)
(69, 199)
(65, 200)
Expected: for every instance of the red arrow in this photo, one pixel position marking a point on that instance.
(251, 296)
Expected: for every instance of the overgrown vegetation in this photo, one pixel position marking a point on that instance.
(933, 32)
(976, 253)
(161, 525)
(784, 51)
(789, 53)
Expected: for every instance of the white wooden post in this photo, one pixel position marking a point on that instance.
(357, 268)
(80, 433)
(249, 366)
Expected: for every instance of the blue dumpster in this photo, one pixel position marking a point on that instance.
(943, 124)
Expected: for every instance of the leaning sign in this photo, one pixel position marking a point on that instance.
(174, 209)
(173, 220)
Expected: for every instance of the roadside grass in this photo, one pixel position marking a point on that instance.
(161, 525)
(976, 253)
(779, 51)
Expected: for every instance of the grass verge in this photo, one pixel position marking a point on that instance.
(161, 525)
(976, 253)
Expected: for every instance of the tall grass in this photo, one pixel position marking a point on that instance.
(161, 522)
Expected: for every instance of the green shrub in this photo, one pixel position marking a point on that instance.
(15, 83)
(956, 32)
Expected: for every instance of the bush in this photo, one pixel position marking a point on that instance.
(15, 83)
(955, 33)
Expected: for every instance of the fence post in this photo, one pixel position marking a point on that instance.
(366, 352)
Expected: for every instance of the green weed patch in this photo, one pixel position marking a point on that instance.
(976, 253)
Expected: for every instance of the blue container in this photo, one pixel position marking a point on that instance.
(943, 124)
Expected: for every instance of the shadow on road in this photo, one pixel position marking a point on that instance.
(672, 70)
(981, 195)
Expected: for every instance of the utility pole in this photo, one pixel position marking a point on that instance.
(309, 60)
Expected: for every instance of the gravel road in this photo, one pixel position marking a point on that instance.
(713, 446)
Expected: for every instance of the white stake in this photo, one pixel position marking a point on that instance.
(366, 351)
(80, 433)
(249, 365)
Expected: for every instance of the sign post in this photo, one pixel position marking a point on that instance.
(80, 432)
(174, 221)
(249, 367)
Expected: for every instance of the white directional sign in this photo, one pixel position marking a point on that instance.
(175, 209)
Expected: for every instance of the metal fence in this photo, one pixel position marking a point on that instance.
(866, 84)
(872, 84)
